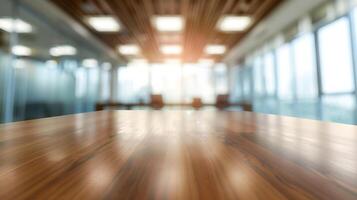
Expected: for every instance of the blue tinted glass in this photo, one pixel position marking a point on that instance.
(259, 82)
(269, 72)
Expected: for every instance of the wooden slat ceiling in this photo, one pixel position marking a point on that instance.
(200, 16)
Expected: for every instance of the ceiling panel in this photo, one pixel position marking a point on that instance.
(201, 17)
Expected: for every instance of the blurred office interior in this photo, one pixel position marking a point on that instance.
(294, 57)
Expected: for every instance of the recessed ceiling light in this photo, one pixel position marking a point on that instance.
(171, 49)
(129, 49)
(64, 50)
(206, 61)
(215, 49)
(104, 24)
(20, 50)
(234, 23)
(90, 63)
(17, 25)
(168, 23)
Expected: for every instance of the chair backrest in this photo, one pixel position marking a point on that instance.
(196, 102)
(222, 100)
(157, 101)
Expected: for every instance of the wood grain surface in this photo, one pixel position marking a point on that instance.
(177, 155)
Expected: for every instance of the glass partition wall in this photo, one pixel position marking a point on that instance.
(38, 78)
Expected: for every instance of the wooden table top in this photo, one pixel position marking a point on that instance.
(177, 155)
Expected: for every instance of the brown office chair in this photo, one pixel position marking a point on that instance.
(157, 101)
(222, 101)
(197, 103)
(246, 106)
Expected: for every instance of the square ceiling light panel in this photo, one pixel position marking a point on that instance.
(171, 49)
(215, 49)
(20, 50)
(64, 50)
(234, 23)
(129, 49)
(15, 25)
(104, 24)
(169, 23)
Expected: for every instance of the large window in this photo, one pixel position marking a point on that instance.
(166, 79)
(105, 85)
(259, 82)
(321, 61)
(235, 94)
(4, 64)
(181, 83)
(133, 84)
(246, 75)
(269, 71)
(198, 82)
(305, 67)
(336, 57)
(80, 89)
(205, 84)
(221, 79)
(92, 88)
(285, 73)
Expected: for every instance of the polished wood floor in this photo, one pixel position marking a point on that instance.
(177, 155)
